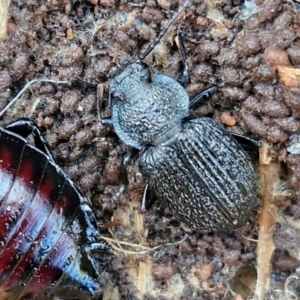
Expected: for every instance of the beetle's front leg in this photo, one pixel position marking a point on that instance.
(183, 78)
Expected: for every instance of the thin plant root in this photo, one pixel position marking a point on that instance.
(119, 248)
(269, 174)
(15, 100)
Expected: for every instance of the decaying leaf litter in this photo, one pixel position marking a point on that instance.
(251, 51)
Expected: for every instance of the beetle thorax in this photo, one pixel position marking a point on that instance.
(147, 110)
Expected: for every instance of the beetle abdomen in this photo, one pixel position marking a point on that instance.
(203, 176)
(45, 225)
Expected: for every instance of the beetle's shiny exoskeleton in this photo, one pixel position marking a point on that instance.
(194, 167)
(47, 227)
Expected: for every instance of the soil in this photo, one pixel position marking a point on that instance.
(250, 50)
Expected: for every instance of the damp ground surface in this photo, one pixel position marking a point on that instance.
(251, 51)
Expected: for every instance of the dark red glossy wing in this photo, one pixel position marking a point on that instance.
(45, 224)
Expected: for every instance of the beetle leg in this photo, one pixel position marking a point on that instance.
(99, 97)
(130, 157)
(25, 127)
(163, 31)
(143, 206)
(148, 196)
(241, 139)
(183, 78)
(148, 199)
(202, 97)
(76, 81)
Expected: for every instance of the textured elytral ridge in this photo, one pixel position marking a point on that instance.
(203, 166)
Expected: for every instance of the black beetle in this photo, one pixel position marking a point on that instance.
(48, 229)
(193, 166)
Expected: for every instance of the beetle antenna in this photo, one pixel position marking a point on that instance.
(164, 30)
(28, 84)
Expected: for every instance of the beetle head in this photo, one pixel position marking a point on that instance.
(130, 82)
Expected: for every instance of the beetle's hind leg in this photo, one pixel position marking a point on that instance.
(25, 127)
(241, 139)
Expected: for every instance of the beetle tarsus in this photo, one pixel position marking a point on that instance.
(203, 96)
